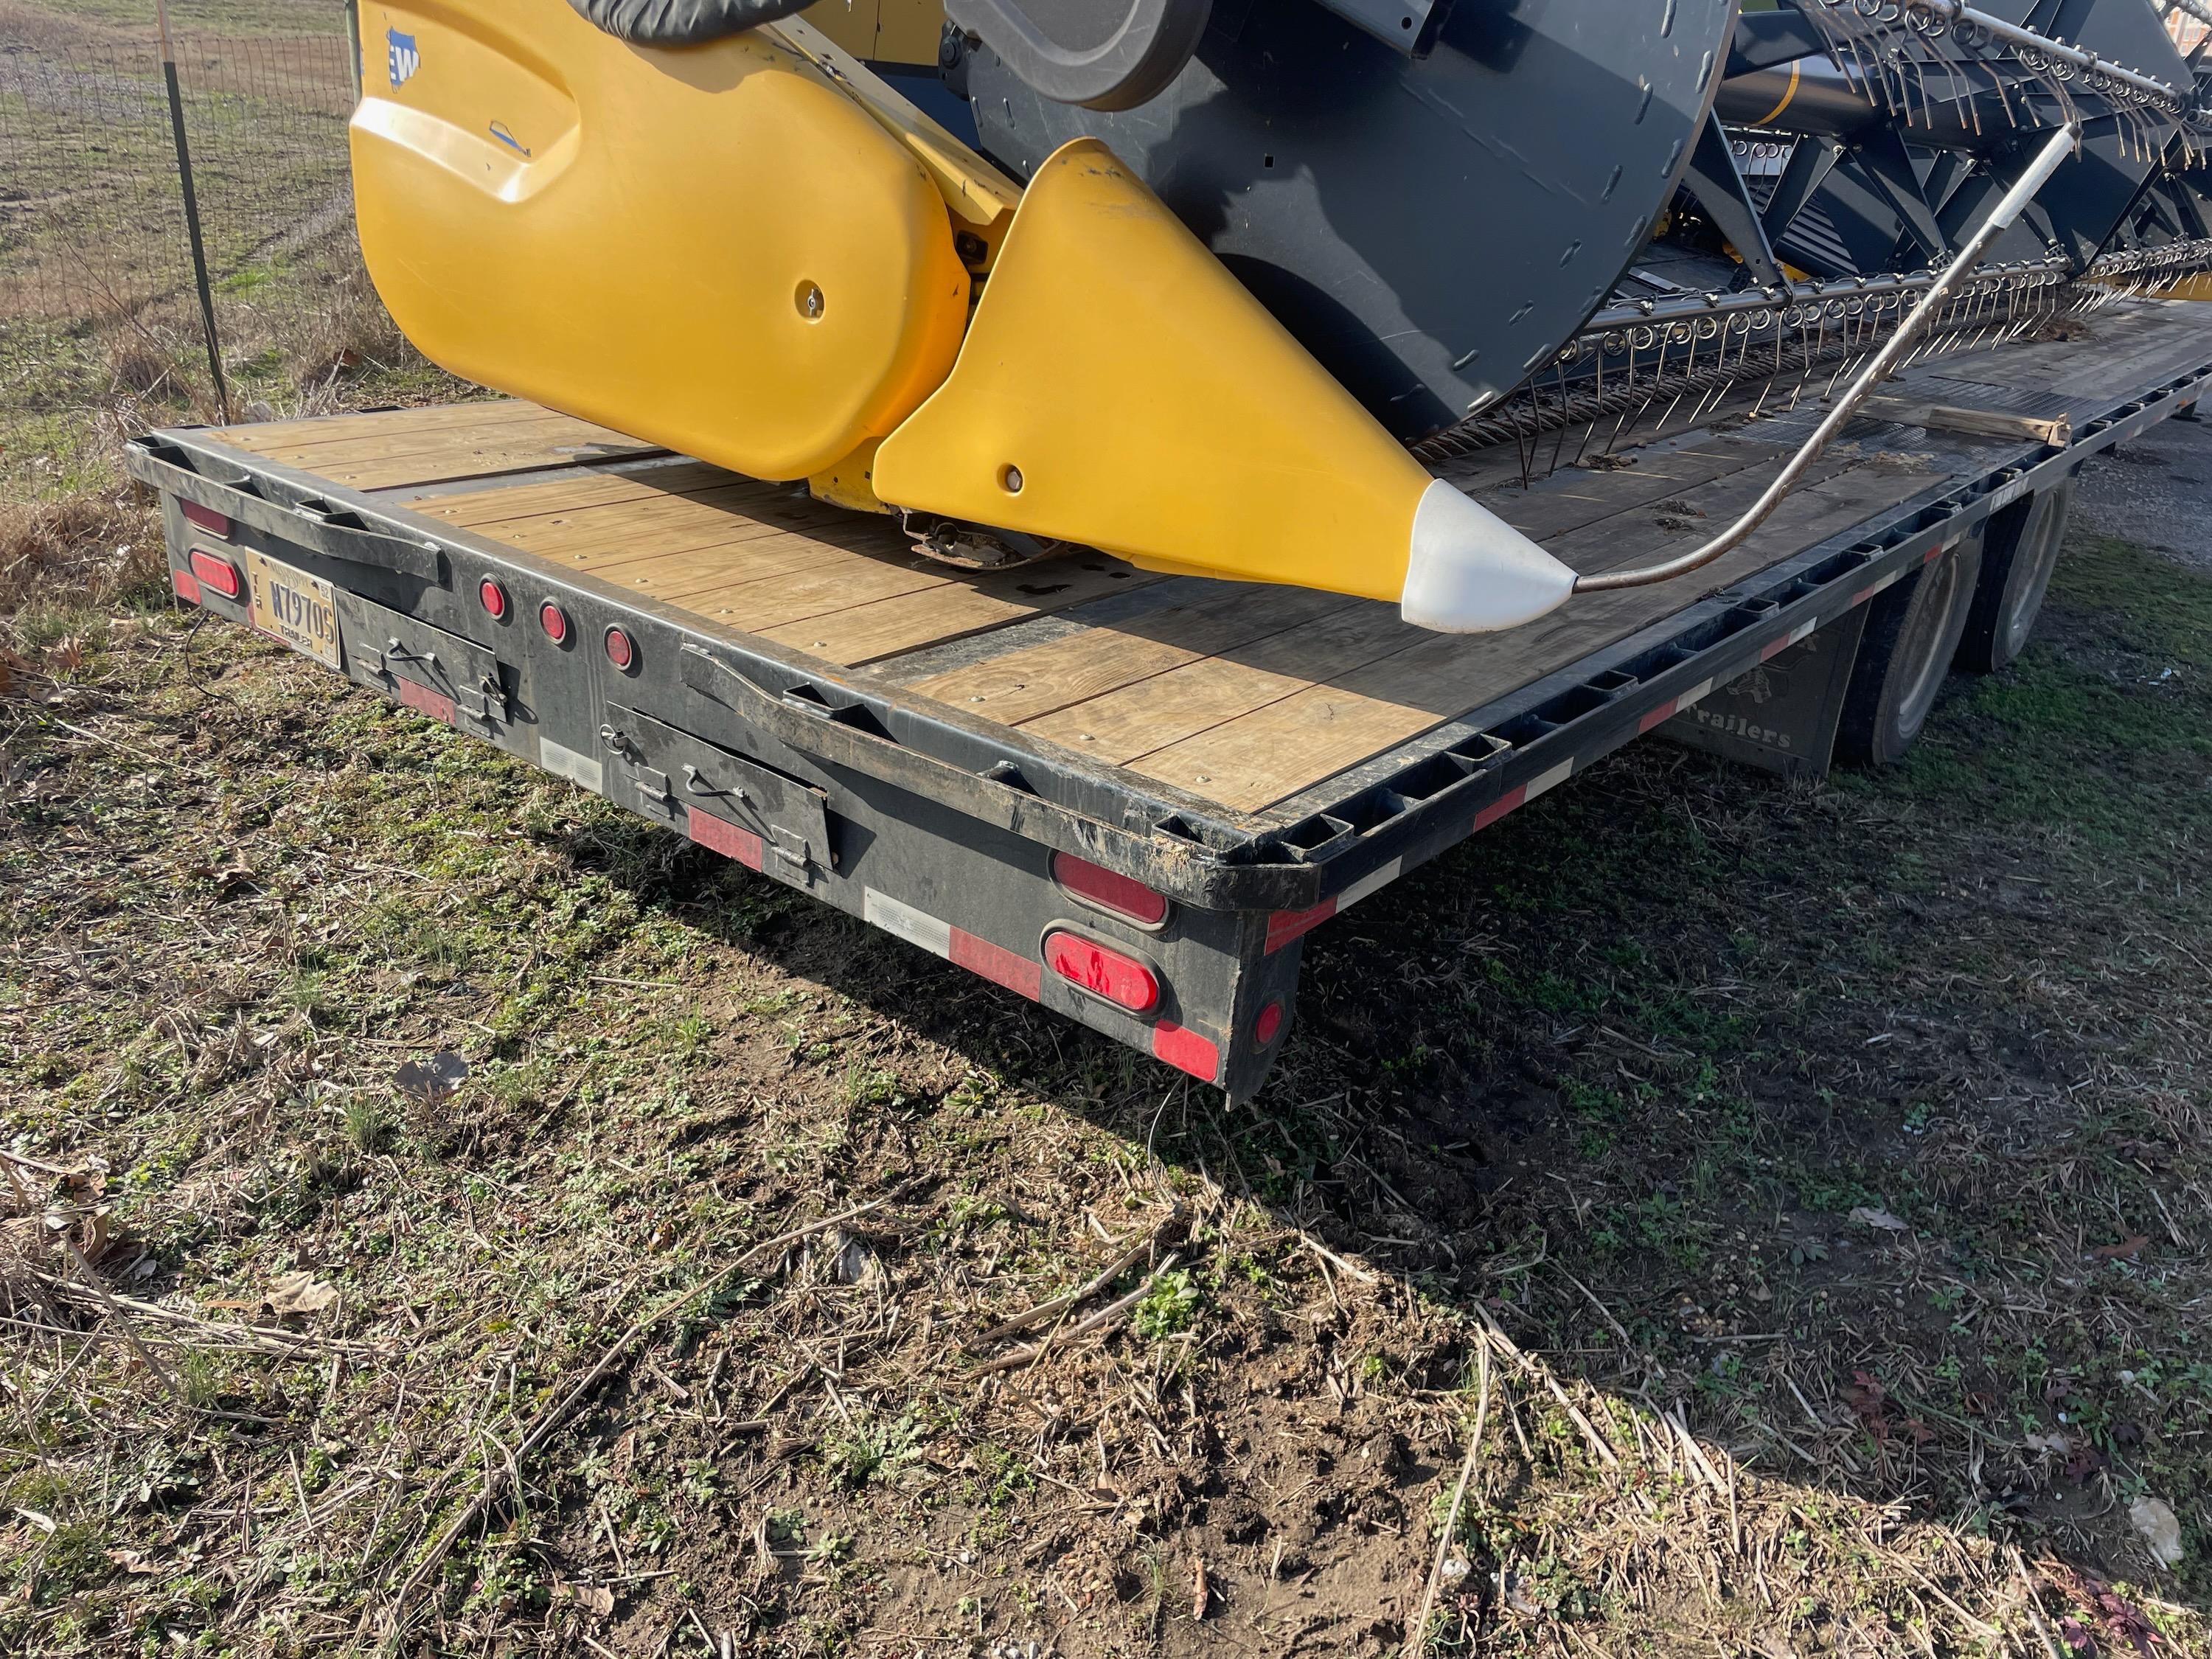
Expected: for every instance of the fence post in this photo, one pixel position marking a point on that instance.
(192, 212)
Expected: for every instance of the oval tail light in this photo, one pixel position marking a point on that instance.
(1119, 977)
(1117, 894)
(214, 571)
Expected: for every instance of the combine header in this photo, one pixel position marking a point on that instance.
(1015, 468)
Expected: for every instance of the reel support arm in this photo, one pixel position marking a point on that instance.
(2061, 144)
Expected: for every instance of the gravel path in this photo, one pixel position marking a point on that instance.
(2156, 490)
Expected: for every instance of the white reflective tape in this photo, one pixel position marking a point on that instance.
(1368, 882)
(1890, 580)
(1696, 694)
(1803, 630)
(1558, 774)
(916, 927)
(583, 770)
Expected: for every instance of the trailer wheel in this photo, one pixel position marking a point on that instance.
(1911, 635)
(2017, 556)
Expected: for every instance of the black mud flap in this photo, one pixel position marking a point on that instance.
(766, 820)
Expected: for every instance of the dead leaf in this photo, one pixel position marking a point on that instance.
(131, 1561)
(2161, 1529)
(1864, 1216)
(299, 1292)
(233, 878)
(593, 1598)
(88, 1232)
(426, 1082)
(66, 653)
(2123, 1251)
(1201, 1591)
(45, 1523)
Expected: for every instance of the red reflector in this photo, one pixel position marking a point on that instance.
(1108, 891)
(1269, 1023)
(218, 573)
(1187, 1050)
(622, 650)
(493, 597)
(206, 517)
(554, 620)
(1119, 979)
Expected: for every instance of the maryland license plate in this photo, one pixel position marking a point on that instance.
(294, 607)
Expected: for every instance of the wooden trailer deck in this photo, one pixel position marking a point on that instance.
(1237, 695)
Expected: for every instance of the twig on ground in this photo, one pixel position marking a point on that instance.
(1059, 1304)
(1420, 1634)
(121, 1320)
(1106, 1315)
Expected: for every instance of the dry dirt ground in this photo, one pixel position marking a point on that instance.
(444, 1215)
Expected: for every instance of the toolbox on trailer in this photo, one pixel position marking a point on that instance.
(1126, 795)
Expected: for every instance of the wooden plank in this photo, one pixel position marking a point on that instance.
(626, 530)
(428, 418)
(718, 577)
(1319, 730)
(588, 487)
(1023, 684)
(1568, 501)
(1981, 423)
(1152, 713)
(298, 448)
(440, 466)
(964, 605)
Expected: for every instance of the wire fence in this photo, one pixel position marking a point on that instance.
(101, 325)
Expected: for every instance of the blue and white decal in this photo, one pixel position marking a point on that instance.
(401, 59)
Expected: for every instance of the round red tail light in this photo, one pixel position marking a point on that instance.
(622, 650)
(554, 620)
(1268, 1025)
(494, 598)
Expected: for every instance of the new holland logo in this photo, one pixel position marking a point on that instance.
(401, 59)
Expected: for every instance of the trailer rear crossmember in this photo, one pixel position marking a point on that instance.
(1124, 797)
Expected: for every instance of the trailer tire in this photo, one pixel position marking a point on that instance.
(2019, 553)
(1911, 635)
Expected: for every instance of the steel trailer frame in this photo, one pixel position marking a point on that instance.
(953, 833)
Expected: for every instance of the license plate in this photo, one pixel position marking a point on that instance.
(291, 606)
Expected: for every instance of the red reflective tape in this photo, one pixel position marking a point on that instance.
(1658, 716)
(187, 585)
(721, 835)
(1001, 966)
(1186, 1050)
(1499, 808)
(1862, 597)
(1773, 648)
(420, 698)
(1284, 925)
(1932, 555)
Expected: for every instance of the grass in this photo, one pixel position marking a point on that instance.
(100, 335)
(1861, 1128)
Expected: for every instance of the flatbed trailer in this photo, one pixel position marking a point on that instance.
(1124, 795)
